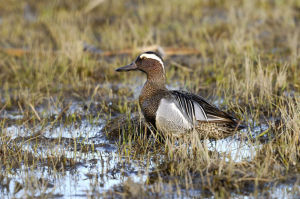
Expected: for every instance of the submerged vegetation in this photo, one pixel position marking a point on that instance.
(70, 126)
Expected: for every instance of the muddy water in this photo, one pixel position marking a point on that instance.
(99, 166)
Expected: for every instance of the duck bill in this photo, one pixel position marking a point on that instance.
(129, 67)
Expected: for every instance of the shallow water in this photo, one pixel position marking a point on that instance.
(99, 166)
(104, 163)
(234, 149)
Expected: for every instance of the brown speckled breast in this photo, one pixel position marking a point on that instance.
(149, 100)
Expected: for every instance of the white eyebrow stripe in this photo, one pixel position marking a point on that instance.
(153, 56)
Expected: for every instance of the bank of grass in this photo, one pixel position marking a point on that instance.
(247, 59)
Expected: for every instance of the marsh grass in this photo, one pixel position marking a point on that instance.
(247, 61)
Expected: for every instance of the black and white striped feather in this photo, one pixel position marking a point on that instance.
(198, 109)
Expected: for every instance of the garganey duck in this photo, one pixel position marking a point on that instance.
(175, 111)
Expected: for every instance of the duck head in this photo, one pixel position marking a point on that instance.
(149, 62)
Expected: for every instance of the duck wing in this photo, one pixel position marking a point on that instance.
(198, 109)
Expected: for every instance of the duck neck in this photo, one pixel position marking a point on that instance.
(153, 85)
(156, 81)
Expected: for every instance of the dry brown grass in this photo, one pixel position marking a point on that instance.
(242, 54)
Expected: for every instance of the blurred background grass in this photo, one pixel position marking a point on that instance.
(42, 42)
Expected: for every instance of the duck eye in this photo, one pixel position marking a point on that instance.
(139, 59)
